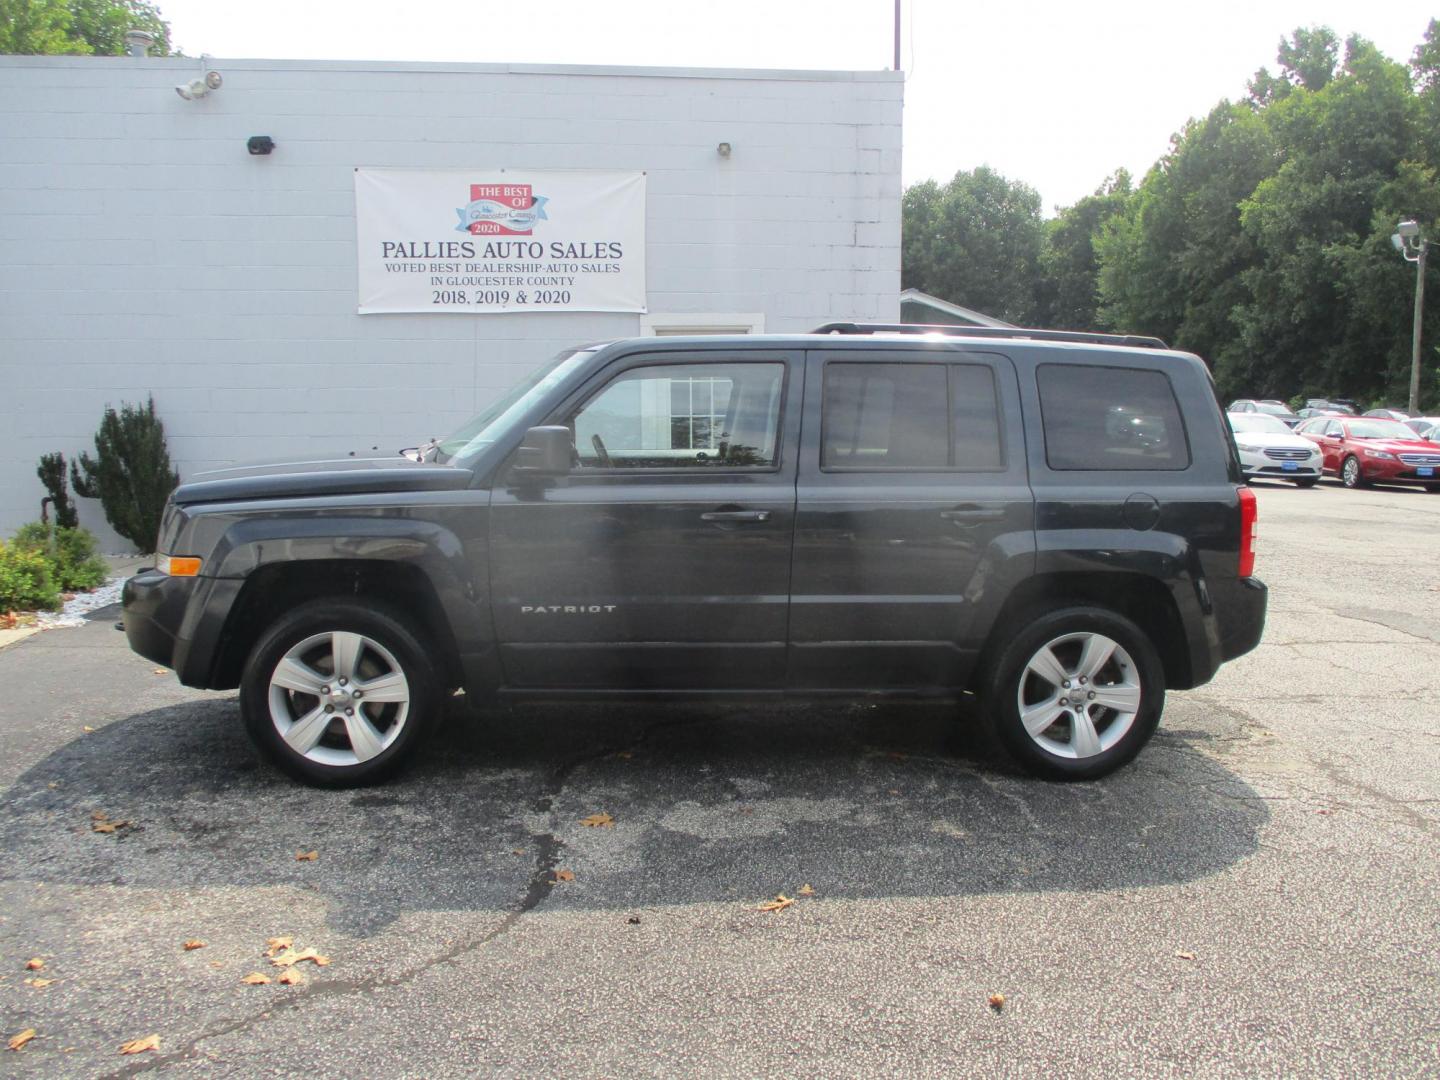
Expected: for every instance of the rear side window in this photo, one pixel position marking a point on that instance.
(922, 417)
(1110, 418)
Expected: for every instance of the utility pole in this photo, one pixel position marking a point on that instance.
(897, 35)
(1414, 247)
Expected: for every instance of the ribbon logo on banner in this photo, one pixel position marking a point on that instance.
(501, 210)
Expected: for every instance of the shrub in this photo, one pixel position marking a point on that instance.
(25, 582)
(130, 473)
(70, 553)
(52, 475)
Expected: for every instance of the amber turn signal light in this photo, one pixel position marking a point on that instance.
(177, 565)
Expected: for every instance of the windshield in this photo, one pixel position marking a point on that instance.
(491, 424)
(1379, 429)
(1258, 422)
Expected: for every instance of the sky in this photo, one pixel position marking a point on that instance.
(1056, 94)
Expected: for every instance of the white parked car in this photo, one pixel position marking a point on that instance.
(1271, 451)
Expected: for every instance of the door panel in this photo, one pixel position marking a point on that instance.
(663, 560)
(912, 480)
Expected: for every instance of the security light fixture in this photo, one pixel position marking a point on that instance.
(260, 144)
(198, 88)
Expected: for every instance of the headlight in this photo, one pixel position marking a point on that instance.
(1381, 454)
(1249, 448)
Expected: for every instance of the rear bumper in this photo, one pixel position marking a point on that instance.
(1244, 618)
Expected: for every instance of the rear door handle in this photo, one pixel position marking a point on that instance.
(736, 515)
(973, 513)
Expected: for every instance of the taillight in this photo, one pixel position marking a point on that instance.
(1249, 518)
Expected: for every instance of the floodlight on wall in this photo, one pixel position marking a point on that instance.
(260, 144)
(198, 88)
(723, 149)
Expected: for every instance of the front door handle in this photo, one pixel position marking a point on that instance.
(736, 515)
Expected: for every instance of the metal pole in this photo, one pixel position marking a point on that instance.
(1415, 334)
(897, 35)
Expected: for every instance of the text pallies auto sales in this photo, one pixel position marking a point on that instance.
(498, 249)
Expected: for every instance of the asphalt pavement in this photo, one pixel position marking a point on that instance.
(1256, 895)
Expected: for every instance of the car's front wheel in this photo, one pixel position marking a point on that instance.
(1308, 482)
(1076, 693)
(338, 694)
(1350, 474)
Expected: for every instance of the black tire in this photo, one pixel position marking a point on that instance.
(1311, 482)
(1433, 489)
(1001, 695)
(1352, 478)
(386, 632)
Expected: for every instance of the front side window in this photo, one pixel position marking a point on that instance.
(683, 416)
(1110, 418)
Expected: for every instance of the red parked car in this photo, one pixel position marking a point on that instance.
(1364, 450)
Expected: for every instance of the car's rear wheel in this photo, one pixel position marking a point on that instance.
(1076, 693)
(338, 694)
(1350, 474)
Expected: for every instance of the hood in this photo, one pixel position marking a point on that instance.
(1273, 440)
(1401, 446)
(332, 476)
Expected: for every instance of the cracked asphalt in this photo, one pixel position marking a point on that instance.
(1256, 896)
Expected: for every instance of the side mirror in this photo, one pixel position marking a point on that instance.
(545, 451)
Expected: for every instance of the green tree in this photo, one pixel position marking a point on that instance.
(130, 473)
(975, 241)
(55, 27)
(1068, 293)
(35, 27)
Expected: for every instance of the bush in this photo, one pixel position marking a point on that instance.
(25, 582)
(52, 474)
(70, 554)
(130, 474)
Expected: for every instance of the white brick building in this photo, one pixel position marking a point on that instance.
(143, 250)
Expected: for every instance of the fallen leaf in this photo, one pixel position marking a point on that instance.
(276, 944)
(291, 977)
(39, 984)
(306, 856)
(1185, 955)
(997, 1001)
(255, 978)
(17, 1041)
(162, 671)
(806, 890)
(53, 785)
(109, 826)
(193, 944)
(291, 957)
(98, 815)
(1327, 813)
(564, 875)
(34, 964)
(780, 903)
(139, 1046)
(518, 851)
(87, 729)
(602, 820)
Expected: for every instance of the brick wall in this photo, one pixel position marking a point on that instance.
(142, 250)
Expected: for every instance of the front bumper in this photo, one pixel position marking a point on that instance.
(1379, 471)
(155, 606)
(1257, 464)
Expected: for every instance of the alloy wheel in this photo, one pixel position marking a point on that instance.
(339, 698)
(1078, 695)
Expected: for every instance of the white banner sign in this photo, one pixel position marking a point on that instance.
(500, 240)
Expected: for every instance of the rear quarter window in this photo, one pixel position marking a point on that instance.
(1110, 418)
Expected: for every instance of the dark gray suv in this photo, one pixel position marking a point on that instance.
(1053, 522)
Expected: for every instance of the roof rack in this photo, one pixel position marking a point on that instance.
(1136, 341)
